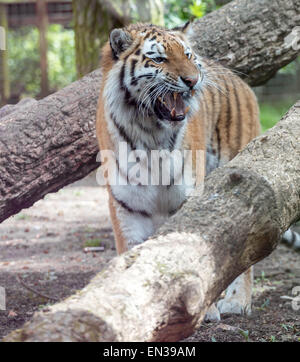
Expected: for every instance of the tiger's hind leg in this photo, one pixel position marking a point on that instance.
(212, 314)
(238, 295)
(237, 299)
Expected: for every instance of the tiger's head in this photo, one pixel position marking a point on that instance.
(158, 71)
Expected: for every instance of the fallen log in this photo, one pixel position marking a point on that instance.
(160, 290)
(48, 144)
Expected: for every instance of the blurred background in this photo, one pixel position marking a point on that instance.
(51, 43)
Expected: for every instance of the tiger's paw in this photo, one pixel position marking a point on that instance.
(213, 314)
(234, 306)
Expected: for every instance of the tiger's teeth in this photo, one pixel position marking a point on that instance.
(193, 92)
(187, 109)
(173, 112)
(159, 98)
(175, 96)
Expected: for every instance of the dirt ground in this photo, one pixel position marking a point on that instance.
(42, 259)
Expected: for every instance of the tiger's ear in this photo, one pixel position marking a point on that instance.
(185, 28)
(120, 40)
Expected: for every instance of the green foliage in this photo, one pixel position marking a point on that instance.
(92, 243)
(245, 334)
(61, 56)
(24, 59)
(271, 113)
(197, 8)
(290, 68)
(180, 11)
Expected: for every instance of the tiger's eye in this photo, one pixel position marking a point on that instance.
(158, 60)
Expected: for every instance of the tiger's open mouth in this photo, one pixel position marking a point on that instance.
(171, 107)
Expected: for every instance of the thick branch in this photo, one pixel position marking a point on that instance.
(249, 36)
(48, 144)
(51, 143)
(160, 290)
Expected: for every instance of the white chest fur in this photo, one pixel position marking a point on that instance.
(149, 188)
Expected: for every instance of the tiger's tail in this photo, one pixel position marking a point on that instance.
(291, 238)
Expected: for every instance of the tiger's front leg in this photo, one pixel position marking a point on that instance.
(238, 295)
(138, 211)
(130, 228)
(237, 298)
(135, 214)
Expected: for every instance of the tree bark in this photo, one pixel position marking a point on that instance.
(51, 143)
(249, 36)
(48, 144)
(160, 290)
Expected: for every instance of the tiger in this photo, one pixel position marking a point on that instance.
(158, 94)
(291, 238)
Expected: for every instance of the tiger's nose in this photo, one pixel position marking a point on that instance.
(190, 81)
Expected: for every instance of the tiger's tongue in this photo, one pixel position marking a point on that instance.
(174, 103)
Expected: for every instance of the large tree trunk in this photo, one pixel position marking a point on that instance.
(249, 36)
(94, 20)
(51, 143)
(160, 290)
